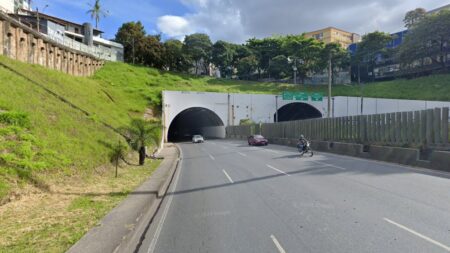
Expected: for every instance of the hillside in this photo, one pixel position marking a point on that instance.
(56, 131)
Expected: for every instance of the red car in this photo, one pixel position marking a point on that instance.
(257, 140)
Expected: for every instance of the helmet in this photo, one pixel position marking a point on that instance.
(302, 136)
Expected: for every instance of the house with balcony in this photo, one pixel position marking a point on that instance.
(82, 37)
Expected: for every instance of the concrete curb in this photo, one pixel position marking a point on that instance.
(121, 228)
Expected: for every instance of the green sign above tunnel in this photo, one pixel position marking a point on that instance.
(316, 97)
(300, 96)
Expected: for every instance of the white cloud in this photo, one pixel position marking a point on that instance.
(174, 26)
(238, 20)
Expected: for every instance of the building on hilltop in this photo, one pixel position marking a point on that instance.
(331, 34)
(14, 6)
(82, 37)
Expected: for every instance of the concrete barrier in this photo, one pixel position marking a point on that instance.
(321, 146)
(349, 149)
(407, 156)
(440, 160)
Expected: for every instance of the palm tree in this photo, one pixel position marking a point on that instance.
(97, 12)
(118, 152)
(140, 134)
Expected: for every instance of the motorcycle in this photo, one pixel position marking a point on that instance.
(304, 149)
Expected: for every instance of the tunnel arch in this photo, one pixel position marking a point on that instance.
(195, 120)
(297, 111)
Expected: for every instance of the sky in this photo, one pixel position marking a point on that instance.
(238, 20)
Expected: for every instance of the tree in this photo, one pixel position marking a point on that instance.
(308, 50)
(247, 66)
(264, 50)
(279, 67)
(118, 152)
(413, 17)
(428, 39)
(339, 57)
(153, 52)
(132, 36)
(140, 134)
(198, 47)
(174, 58)
(223, 56)
(370, 48)
(97, 12)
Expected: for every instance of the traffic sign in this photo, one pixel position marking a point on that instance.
(301, 96)
(316, 97)
(288, 95)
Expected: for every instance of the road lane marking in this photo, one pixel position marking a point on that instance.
(277, 244)
(329, 165)
(152, 246)
(426, 238)
(242, 154)
(228, 176)
(278, 170)
(212, 157)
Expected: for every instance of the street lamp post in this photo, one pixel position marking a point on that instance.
(38, 19)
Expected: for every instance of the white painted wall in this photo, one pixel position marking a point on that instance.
(261, 108)
(7, 5)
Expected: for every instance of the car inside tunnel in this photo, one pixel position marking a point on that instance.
(196, 120)
(297, 111)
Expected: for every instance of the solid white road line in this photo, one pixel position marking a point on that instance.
(329, 165)
(152, 246)
(277, 244)
(277, 170)
(242, 154)
(426, 238)
(212, 157)
(228, 176)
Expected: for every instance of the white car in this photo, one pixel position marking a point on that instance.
(197, 139)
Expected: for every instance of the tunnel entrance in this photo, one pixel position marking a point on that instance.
(196, 120)
(297, 111)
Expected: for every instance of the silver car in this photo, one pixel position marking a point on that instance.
(197, 139)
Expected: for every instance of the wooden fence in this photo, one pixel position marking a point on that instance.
(415, 128)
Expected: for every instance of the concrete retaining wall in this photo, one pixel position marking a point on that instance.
(405, 156)
(440, 160)
(22, 43)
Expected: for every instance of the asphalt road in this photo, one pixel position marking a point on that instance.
(229, 197)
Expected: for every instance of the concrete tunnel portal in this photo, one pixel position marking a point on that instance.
(196, 120)
(297, 111)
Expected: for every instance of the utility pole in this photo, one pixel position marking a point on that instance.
(276, 108)
(295, 71)
(329, 86)
(38, 19)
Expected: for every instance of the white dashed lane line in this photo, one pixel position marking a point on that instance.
(277, 244)
(275, 169)
(228, 176)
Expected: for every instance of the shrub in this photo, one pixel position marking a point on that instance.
(15, 119)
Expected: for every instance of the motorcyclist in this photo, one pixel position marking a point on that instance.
(302, 141)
